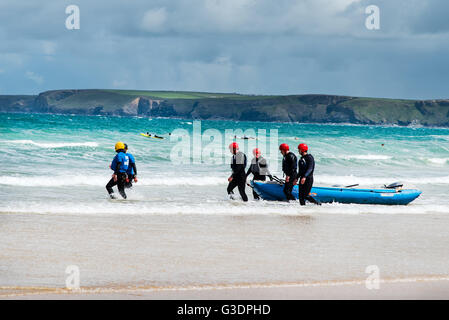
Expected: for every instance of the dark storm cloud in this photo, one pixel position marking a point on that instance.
(249, 46)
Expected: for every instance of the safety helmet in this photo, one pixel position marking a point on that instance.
(284, 147)
(256, 151)
(303, 147)
(234, 146)
(119, 146)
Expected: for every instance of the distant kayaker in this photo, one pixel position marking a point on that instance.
(119, 165)
(259, 169)
(132, 169)
(238, 176)
(289, 167)
(306, 167)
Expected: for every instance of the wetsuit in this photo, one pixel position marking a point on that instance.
(289, 167)
(306, 166)
(120, 165)
(259, 169)
(238, 166)
(132, 171)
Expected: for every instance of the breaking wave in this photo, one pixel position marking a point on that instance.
(88, 180)
(101, 180)
(52, 145)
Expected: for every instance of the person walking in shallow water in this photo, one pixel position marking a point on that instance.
(259, 169)
(289, 167)
(238, 176)
(119, 165)
(306, 166)
(132, 169)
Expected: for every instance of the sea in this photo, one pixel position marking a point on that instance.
(178, 228)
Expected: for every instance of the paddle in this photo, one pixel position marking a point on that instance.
(278, 180)
(282, 181)
(340, 186)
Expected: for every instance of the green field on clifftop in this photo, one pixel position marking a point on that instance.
(308, 108)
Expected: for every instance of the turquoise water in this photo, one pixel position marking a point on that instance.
(54, 205)
(57, 159)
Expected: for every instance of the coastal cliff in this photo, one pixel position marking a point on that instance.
(196, 105)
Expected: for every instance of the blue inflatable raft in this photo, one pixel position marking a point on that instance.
(274, 191)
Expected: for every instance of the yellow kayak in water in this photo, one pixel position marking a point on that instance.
(150, 136)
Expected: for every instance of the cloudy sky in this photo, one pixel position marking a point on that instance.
(245, 46)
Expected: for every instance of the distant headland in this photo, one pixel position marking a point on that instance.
(308, 108)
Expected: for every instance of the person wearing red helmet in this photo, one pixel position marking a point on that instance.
(238, 176)
(289, 167)
(259, 169)
(306, 166)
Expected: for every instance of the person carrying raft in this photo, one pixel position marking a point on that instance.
(238, 176)
(289, 167)
(306, 167)
(259, 169)
(119, 165)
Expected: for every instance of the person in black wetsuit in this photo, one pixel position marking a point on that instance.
(132, 169)
(306, 166)
(259, 169)
(289, 167)
(238, 176)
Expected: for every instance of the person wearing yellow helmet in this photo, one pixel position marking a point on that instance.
(119, 146)
(119, 165)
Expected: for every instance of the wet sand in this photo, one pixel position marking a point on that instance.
(406, 289)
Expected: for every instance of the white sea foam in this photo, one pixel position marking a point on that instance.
(444, 137)
(52, 145)
(101, 180)
(438, 160)
(365, 157)
(378, 181)
(226, 208)
(90, 180)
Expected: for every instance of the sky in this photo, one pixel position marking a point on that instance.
(244, 46)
